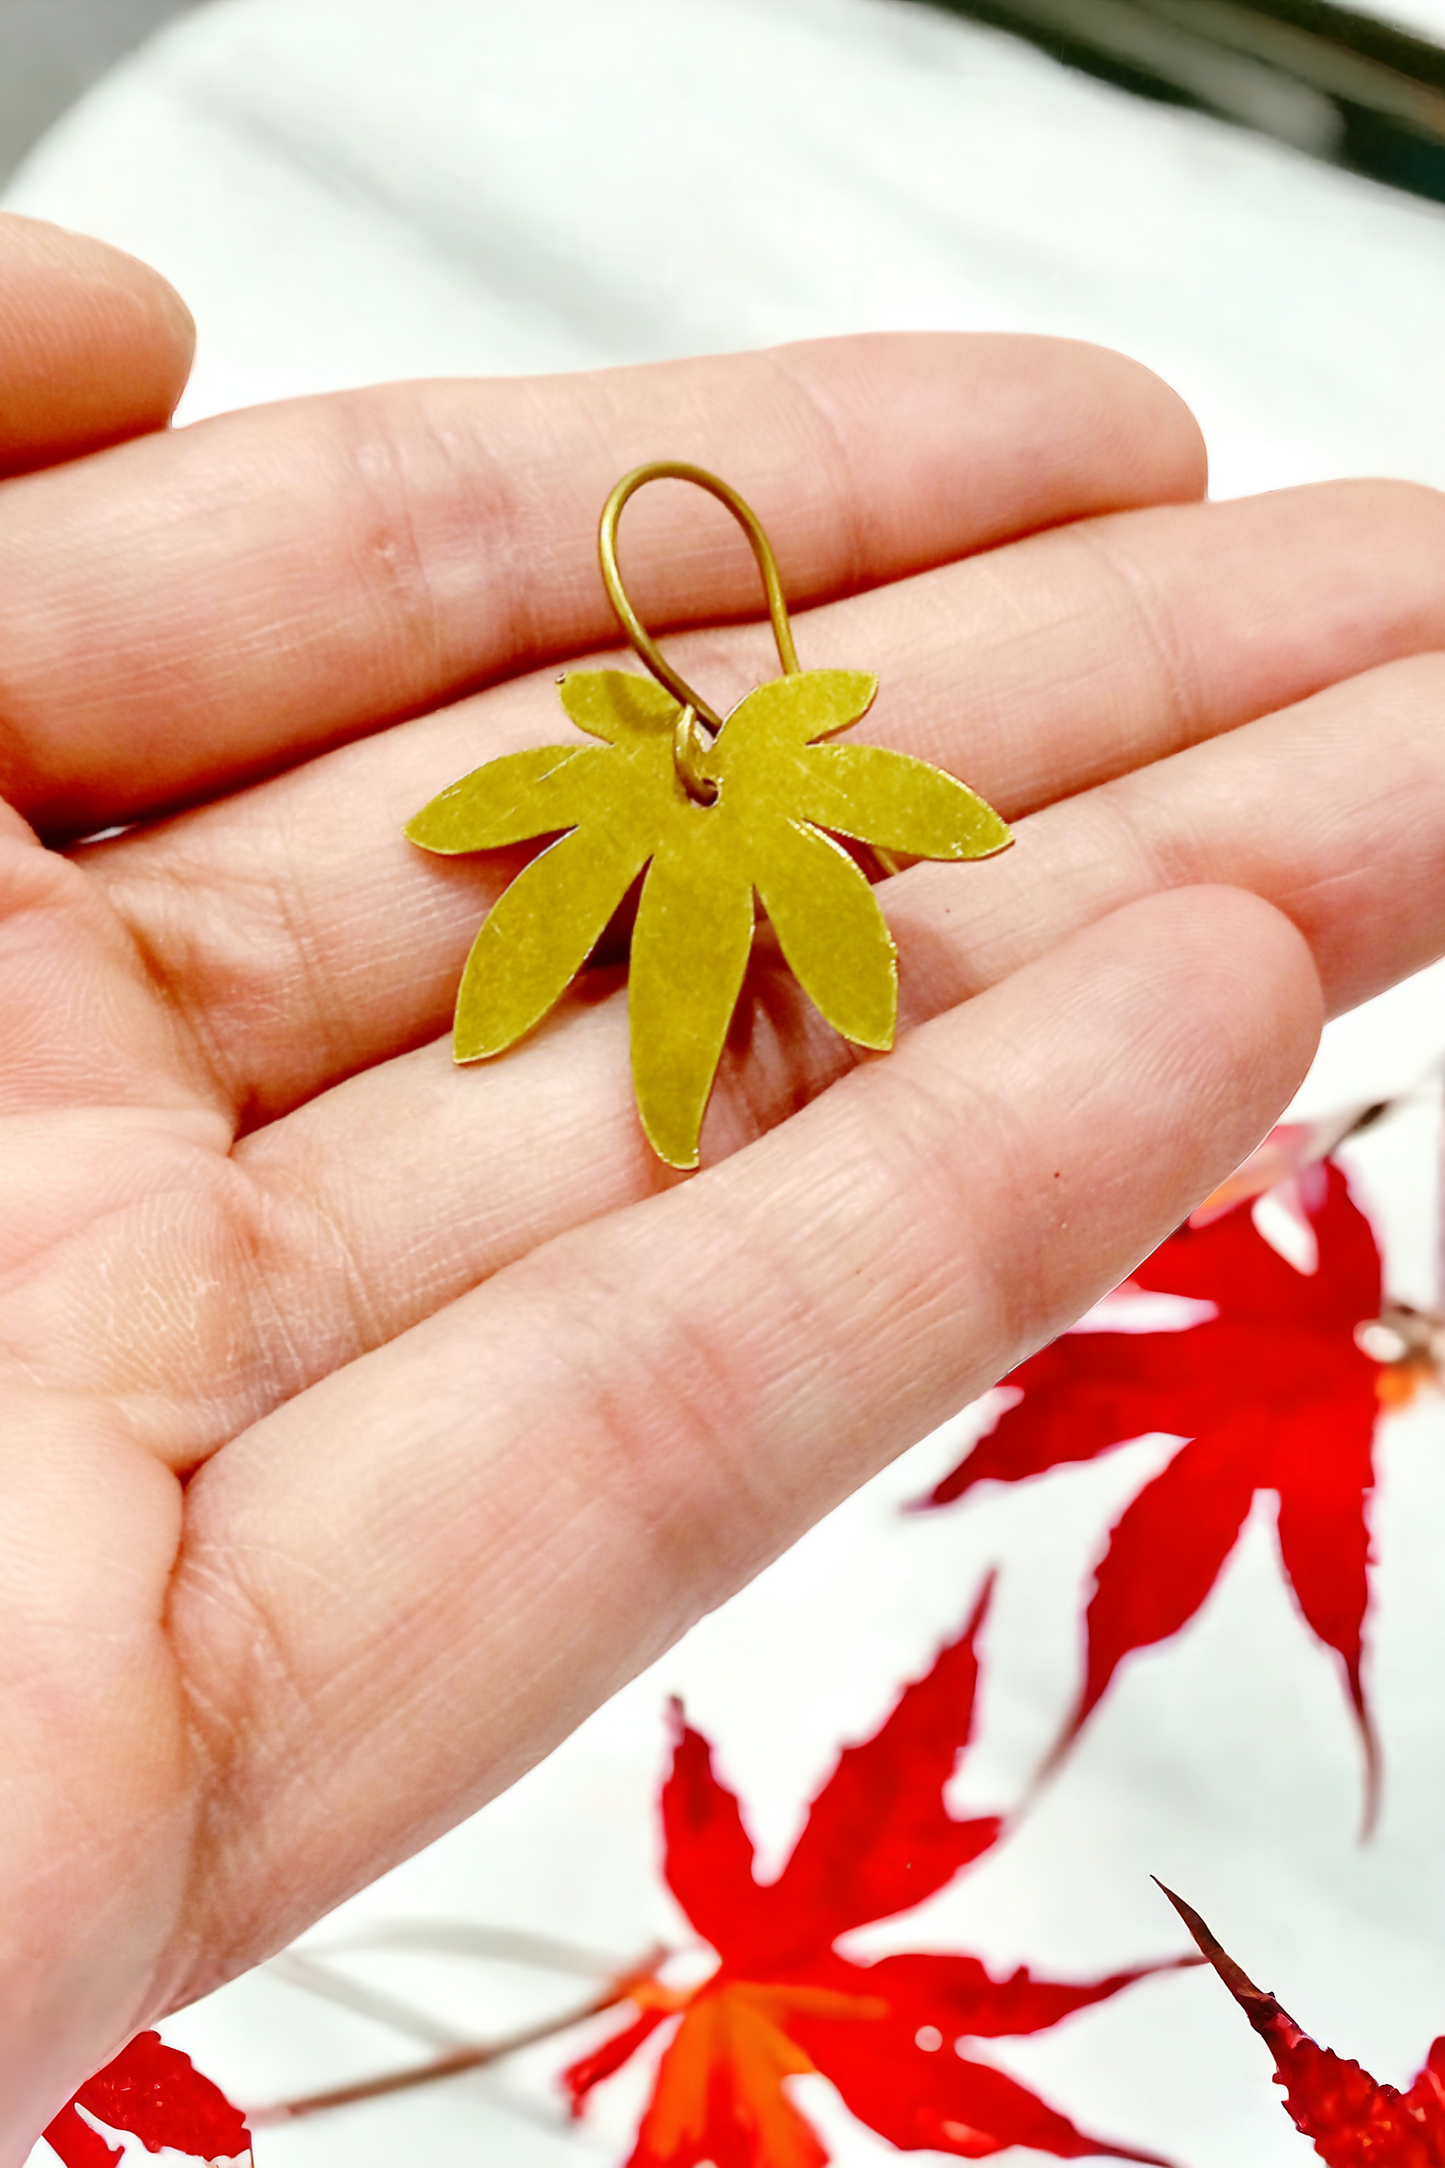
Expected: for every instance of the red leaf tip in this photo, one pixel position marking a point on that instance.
(1214, 1953)
(156, 2094)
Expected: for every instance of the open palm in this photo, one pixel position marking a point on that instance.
(365, 1420)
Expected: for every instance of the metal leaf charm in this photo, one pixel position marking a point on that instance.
(622, 806)
(716, 827)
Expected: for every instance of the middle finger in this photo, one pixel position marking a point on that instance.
(302, 939)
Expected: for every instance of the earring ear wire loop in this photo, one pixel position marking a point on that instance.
(690, 747)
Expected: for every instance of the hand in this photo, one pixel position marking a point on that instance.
(366, 1421)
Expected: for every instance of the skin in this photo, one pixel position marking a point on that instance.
(365, 1422)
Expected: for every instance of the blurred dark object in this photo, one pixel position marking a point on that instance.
(52, 50)
(1325, 79)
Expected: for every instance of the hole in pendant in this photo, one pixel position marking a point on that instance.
(690, 750)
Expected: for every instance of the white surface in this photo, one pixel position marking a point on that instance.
(355, 188)
(1425, 17)
(351, 189)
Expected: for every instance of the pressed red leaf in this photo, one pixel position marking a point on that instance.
(959, 1995)
(605, 2061)
(1426, 2097)
(157, 2095)
(708, 1852)
(914, 2088)
(1271, 1393)
(1352, 2120)
(78, 2143)
(878, 1838)
(1083, 1395)
(719, 2096)
(1325, 1482)
(783, 2002)
(1149, 1584)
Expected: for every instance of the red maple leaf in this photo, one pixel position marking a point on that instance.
(1353, 2121)
(783, 2003)
(1272, 1393)
(156, 2094)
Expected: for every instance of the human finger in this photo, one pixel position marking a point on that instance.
(94, 346)
(379, 1202)
(388, 1574)
(1333, 811)
(301, 937)
(199, 609)
(460, 1172)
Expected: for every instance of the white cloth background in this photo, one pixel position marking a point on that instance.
(1425, 17)
(351, 189)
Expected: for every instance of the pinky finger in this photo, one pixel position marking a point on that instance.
(94, 346)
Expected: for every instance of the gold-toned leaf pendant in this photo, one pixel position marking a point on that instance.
(722, 815)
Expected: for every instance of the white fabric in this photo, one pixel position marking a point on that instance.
(347, 189)
(352, 189)
(1426, 18)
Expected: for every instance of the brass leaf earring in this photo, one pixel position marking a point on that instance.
(719, 813)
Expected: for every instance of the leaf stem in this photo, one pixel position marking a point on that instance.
(469, 1938)
(457, 2061)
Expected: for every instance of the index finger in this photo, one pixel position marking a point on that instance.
(181, 614)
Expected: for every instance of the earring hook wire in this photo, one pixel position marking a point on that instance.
(681, 470)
